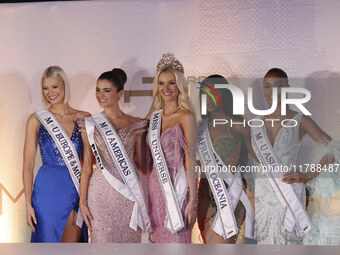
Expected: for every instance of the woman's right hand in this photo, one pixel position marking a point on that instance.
(30, 217)
(87, 216)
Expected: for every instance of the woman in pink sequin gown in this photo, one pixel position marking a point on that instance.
(107, 213)
(170, 95)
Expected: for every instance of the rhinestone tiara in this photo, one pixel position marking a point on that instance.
(168, 60)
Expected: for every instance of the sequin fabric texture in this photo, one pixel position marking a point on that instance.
(54, 195)
(111, 211)
(269, 211)
(228, 148)
(174, 147)
(324, 198)
(50, 155)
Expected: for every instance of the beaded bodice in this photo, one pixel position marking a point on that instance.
(49, 151)
(269, 212)
(128, 138)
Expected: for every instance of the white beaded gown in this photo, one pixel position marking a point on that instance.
(324, 198)
(269, 211)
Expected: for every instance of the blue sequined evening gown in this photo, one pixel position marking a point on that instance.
(54, 195)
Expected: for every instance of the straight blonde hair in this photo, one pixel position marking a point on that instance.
(55, 72)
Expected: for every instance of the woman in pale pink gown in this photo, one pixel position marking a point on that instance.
(170, 95)
(106, 212)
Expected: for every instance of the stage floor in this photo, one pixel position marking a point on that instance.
(162, 249)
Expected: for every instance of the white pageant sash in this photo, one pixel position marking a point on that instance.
(174, 195)
(131, 188)
(296, 216)
(65, 147)
(227, 200)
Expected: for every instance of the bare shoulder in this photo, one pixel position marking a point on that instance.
(291, 114)
(33, 120)
(132, 118)
(307, 122)
(84, 114)
(240, 128)
(186, 117)
(148, 116)
(33, 123)
(310, 127)
(188, 123)
(306, 119)
(79, 114)
(240, 131)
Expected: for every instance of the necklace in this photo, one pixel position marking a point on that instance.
(170, 113)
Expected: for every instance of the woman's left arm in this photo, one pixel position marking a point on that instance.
(308, 126)
(188, 124)
(140, 155)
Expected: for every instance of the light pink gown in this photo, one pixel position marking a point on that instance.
(111, 211)
(174, 148)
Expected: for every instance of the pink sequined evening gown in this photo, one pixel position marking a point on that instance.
(174, 147)
(111, 211)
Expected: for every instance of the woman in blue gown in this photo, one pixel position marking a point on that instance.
(52, 204)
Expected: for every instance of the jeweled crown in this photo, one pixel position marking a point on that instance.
(168, 60)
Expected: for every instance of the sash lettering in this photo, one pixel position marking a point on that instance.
(131, 188)
(224, 223)
(173, 195)
(65, 147)
(296, 216)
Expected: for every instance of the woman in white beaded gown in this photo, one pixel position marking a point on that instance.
(286, 142)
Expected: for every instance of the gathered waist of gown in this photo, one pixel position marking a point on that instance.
(53, 165)
(54, 169)
(50, 177)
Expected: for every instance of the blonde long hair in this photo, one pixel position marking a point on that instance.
(182, 84)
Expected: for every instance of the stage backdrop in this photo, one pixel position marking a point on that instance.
(239, 39)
